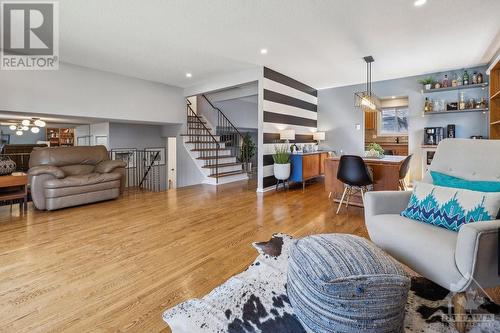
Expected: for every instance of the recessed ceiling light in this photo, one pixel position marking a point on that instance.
(189, 75)
(263, 51)
(419, 3)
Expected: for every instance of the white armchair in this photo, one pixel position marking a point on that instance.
(455, 260)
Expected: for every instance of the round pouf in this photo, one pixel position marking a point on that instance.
(344, 283)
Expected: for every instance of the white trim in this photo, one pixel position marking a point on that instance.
(277, 128)
(493, 64)
(289, 91)
(289, 110)
(268, 170)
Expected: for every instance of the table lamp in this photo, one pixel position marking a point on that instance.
(319, 136)
(287, 135)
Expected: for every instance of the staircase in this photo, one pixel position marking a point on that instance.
(216, 151)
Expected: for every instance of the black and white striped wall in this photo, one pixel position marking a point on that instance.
(286, 104)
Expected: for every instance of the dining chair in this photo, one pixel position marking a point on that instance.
(355, 175)
(403, 171)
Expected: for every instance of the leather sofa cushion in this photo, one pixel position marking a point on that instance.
(82, 180)
(78, 169)
(75, 190)
(62, 156)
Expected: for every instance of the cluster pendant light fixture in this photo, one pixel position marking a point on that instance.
(366, 100)
(32, 125)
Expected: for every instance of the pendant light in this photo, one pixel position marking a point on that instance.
(366, 100)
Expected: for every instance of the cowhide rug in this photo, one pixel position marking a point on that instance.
(256, 301)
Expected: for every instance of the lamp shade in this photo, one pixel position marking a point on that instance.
(287, 135)
(319, 136)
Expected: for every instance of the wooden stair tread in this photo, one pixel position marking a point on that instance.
(226, 174)
(206, 142)
(209, 149)
(197, 135)
(214, 157)
(213, 166)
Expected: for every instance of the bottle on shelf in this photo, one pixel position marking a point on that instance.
(474, 78)
(454, 82)
(466, 78)
(480, 78)
(446, 82)
(426, 105)
(459, 80)
(461, 104)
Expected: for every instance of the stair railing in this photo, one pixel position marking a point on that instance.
(229, 134)
(203, 140)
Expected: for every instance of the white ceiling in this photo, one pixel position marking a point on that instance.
(318, 42)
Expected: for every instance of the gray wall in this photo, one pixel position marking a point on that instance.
(27, 138)
(338, 117)
(187, 171)
(122, 135)
(84, 92)
(241, 113)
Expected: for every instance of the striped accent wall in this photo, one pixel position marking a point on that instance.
(287, 104)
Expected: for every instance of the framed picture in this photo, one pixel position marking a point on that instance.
(154, 156)
(128, 155)
(101, 140)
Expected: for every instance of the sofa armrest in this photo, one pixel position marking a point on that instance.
(46, 169)
(109, 165)
(386, 202)
(476, 254)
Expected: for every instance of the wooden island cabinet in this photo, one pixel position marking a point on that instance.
(385, 175)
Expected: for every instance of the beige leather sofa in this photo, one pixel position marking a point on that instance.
(70, 176)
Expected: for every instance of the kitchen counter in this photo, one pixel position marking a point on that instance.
(387, 159)
(312, 153)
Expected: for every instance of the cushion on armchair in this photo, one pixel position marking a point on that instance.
(442, 179)
(451, 208)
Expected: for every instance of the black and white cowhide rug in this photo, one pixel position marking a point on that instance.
(256, 301)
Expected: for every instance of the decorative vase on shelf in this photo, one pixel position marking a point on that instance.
(7, 166)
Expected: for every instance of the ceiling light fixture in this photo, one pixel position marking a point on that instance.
(366, 100)
(263, 51)
(32, 125)
(189, 75)
(419, 3)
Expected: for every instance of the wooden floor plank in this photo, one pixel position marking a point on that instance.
(117, 265)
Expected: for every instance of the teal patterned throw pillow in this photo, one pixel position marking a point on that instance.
(451, 208)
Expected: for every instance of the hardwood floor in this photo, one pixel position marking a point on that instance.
(115, 266)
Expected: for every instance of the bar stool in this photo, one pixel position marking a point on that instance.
(403, 171)
(355, 175)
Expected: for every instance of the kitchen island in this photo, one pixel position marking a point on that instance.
(385, 176)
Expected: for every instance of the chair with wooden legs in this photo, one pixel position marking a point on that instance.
(403, 171)
(356, 177)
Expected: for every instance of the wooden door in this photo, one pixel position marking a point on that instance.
(370, 120)
(322, 158)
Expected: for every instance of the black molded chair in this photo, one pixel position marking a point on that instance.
(356, 176)
(403, 171)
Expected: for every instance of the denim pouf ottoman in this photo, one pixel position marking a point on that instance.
(344, 283)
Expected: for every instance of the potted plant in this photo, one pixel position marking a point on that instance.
(247, 151)
(281, 159)
(427, 82)
(374, 150)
